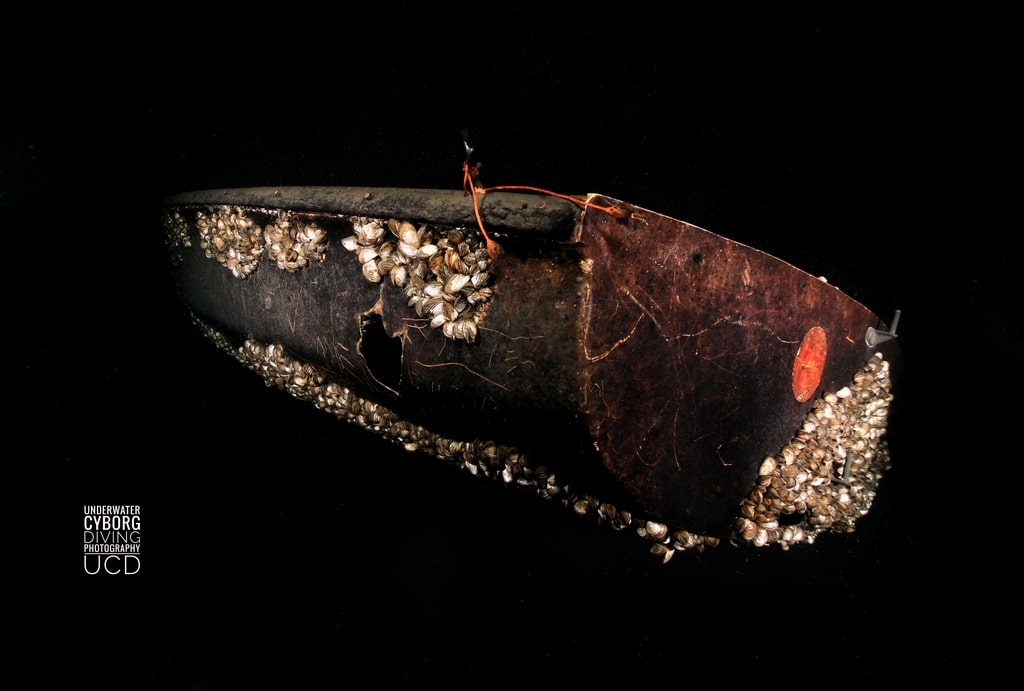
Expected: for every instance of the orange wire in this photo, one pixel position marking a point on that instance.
(618, 211)
(493, 249)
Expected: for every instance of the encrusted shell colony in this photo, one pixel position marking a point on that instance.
(230, 235)
(445, 272)
(824, 479)
(293, 245)
(177, 235)
(227, 234)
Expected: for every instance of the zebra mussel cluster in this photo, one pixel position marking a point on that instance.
(234, 239)
(294, 244)
(177, 235)
(307, 382)
(445, 272)
(228, 235)
(825, 478)
(843, 427)
(485, 459)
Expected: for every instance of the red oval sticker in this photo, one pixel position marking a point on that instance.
(809, 364)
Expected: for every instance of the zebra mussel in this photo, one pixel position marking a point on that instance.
(234, 239)
(445, 272)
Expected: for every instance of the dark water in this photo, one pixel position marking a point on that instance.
(282, 545)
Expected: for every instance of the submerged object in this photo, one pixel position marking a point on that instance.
(635, 367)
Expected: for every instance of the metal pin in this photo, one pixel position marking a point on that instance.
(873, 336)
(844, 478)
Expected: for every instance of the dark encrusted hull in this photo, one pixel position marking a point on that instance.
(700, 388)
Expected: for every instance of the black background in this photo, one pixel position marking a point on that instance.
(280, 545)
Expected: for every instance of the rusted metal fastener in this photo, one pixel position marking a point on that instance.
(639, 368)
